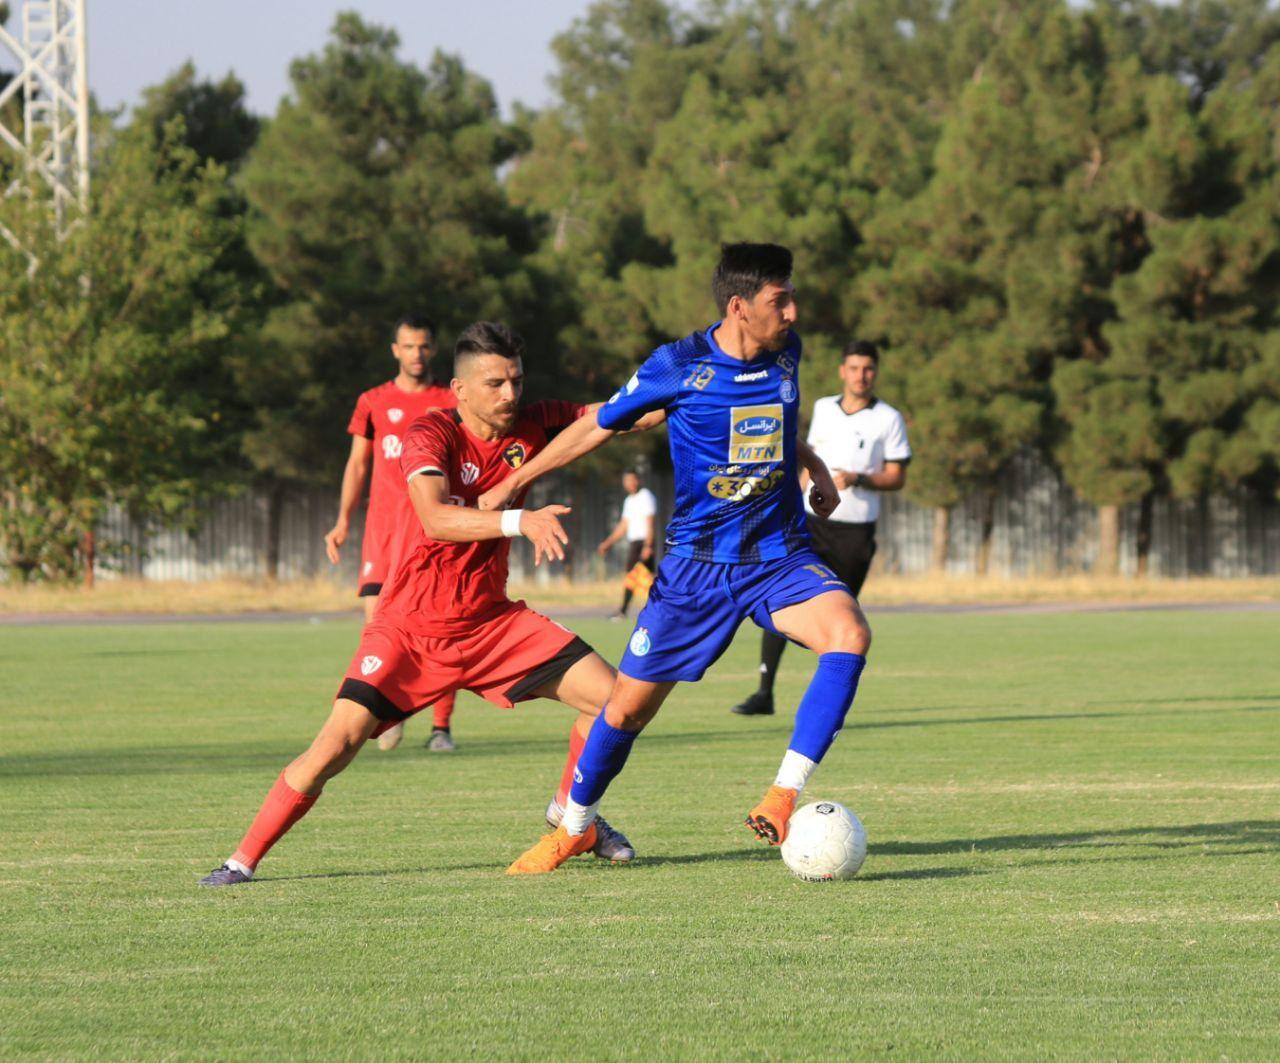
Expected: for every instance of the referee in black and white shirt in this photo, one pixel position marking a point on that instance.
(863, 441)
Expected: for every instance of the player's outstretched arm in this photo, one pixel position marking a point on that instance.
(823, 495)
(579, 439)
(459, 524)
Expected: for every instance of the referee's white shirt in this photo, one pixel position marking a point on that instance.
(857, 442)
(635, 511)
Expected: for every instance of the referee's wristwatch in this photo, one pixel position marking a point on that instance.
(860, 480)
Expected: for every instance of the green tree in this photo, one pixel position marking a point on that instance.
(108, 350)
(374, 190)
(1174, 397)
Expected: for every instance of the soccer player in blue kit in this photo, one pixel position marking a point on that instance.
(736, 545)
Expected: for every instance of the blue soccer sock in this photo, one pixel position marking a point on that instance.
(821, 715)
(602, 759)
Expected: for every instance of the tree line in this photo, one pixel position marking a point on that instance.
(1061, 224)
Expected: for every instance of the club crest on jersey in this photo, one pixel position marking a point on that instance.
(787, 391)
(640, 642)
(515, 454)
(370, 665)
(755, 434)
(395, 416)
(470, 472)
(700, 377)
(391, 447)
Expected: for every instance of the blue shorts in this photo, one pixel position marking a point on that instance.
(696, 607)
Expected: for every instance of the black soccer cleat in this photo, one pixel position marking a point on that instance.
(225, 876)
(759, 704)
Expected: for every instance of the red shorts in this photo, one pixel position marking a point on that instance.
(504, 658)
(376, 548)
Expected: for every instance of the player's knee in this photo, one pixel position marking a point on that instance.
(854, 637)
(331, 752)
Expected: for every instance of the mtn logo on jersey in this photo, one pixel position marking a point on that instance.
(470, 472)
(755, 435)
(395, 416)
(370, 664)
(515, 454)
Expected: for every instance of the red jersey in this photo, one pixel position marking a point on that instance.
(383, 414)
(441, 588)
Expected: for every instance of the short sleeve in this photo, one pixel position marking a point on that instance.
(361, 423)
(654, 386)
(554, 415)
(896, 447)
(645, 504)
(427, 447)
(813, 422)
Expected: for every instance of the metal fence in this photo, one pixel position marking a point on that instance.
(1039, 527)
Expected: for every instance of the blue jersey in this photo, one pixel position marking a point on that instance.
(732, 428)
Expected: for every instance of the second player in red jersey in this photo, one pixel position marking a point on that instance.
(444, 621)
(377, 428)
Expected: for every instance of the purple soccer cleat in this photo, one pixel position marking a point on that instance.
(225, 876)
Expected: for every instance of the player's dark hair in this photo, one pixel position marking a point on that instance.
(631, 472)
(862, 348)
(413, 321)
(486, 337)
(744, 269)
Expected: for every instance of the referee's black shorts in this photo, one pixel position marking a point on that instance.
(634, 549)
(847, 548)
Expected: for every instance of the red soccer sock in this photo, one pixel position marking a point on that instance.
(576, 741)
(283, 808)
(442, 712)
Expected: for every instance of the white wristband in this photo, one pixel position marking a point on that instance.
(511, 522)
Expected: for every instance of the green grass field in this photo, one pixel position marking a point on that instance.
(1075, 852)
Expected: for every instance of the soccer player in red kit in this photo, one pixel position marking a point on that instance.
(382, 416)
(444, 622)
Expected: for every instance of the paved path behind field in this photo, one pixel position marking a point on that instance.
(602, 612)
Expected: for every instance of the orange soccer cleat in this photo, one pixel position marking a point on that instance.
(553, 850)
(769, 818)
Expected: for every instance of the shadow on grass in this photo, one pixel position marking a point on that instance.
(1240, 832)
(149, 760)
(920, 873)
(384, 872)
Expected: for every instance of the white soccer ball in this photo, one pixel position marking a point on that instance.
(825, 841)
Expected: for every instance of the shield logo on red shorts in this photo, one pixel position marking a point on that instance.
(515, 454)
(370, 665)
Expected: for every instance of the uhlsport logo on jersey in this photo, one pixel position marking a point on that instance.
(391, 447)
(370, 665)
(395, 416)
(640, 642)
(755, 434)
(470, 472)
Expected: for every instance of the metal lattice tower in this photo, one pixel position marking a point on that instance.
(53, 81)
